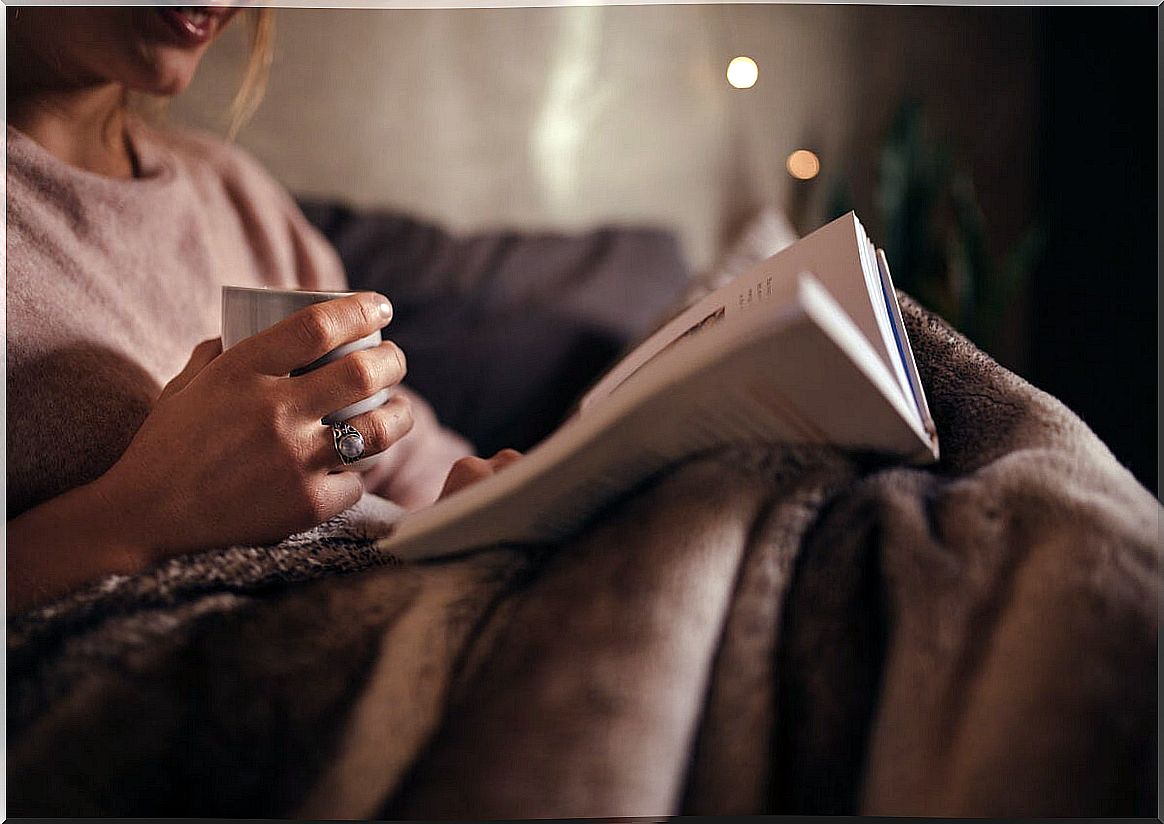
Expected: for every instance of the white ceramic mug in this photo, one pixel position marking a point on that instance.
(248, 310)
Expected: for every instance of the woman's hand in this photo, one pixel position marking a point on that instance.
(468, 471)
(232, 452)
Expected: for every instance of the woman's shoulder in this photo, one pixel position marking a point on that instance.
(202, 153)
(222, 169)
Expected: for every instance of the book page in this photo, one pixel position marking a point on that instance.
(838, 254)
(917, 391)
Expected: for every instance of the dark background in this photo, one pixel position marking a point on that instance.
(1094, 310)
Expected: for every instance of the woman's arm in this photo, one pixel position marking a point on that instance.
(73, 538)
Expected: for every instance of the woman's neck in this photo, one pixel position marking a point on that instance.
(76, 115)
(83, 127)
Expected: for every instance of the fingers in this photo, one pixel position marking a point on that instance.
(311, 333)
(352, 378)
(504, 458)
(202, 355)
(467, 471)
(335, 493)
(379, 428)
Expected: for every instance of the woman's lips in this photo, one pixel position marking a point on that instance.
(194, 25)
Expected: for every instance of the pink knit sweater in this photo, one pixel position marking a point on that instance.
(111, 283)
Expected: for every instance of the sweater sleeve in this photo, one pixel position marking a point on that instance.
(412, 471)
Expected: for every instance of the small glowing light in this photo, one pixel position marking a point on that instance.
(742, 72)
(803, 164)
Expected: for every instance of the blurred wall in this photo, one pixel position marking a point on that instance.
(563, 117)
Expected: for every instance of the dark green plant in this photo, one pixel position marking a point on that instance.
(935, 235)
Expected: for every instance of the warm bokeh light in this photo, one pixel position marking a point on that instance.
(803, 164)
(742, 72)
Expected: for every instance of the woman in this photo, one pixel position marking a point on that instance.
(120, 237)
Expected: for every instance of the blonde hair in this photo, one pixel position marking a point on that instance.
(258, 69)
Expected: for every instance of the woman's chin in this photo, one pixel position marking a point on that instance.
(165, 78)
(168, 55)
(171, 88)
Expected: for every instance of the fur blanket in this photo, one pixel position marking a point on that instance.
(770, 629)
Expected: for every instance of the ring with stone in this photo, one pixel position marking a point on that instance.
(349, 443)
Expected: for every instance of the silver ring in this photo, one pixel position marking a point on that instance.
(349, 443)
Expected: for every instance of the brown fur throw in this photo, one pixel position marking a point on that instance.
(769, 629)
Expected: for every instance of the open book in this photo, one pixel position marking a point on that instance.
(808, 346)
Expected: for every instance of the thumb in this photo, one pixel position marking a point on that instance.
(202, 355)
